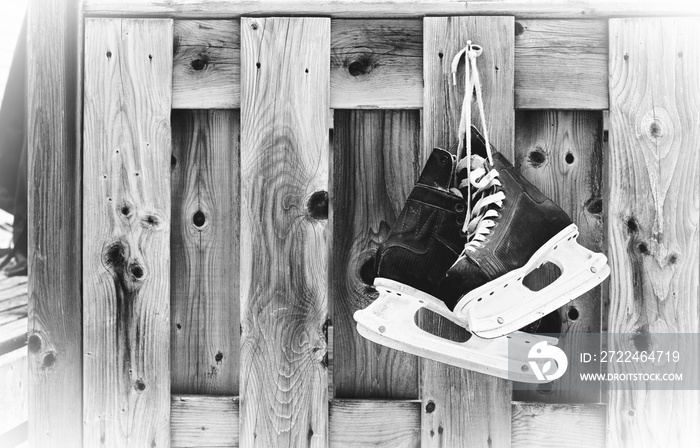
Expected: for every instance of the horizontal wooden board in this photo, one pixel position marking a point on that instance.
(376, 63)
(559, 64)
(206, 64)
(377, 423)
(390, 9)
(203, 421)
(557, 425)
(208, 421)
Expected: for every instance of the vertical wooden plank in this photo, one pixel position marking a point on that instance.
(653, 213)
(560, 153)
(460, 407)
(443, 37)
(284, 233)
(126, 253)
(205, 324)
(54, 43)
(375, 164)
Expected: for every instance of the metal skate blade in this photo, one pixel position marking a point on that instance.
(504, 305)
(390, 321)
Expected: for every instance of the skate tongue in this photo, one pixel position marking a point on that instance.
(477, 162)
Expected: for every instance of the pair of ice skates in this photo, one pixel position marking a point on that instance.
(470, 232)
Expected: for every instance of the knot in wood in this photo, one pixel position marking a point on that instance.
(317, 205)
(363, 65)
(656, 125)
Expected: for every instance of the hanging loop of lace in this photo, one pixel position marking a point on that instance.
(481, 216)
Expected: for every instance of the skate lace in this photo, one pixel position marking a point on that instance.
(480, 203)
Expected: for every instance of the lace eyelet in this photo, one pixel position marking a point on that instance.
(459, 208)
(460, 221)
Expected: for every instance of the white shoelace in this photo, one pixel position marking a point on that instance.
(479, 221)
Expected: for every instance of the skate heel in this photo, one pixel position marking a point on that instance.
(505, 304)
(390, 321)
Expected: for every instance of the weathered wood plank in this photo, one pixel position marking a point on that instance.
(653, 213)
(460, 407)
(561, 64)
(560, 152)
(206, 64)
(376, 423)
(442, 101)
(376, 63)
(558, 425)
(126, 253)
(375, 160)
(201, 421)
(205, 324)
(284, 232)
(391, 9)
(54, 109)
(13, 389)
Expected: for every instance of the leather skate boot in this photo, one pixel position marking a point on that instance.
(512, 230)
(425, 240)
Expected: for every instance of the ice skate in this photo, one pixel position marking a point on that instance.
(409, 265)
(512, 230)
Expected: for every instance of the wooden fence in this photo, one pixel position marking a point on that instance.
(229, 172)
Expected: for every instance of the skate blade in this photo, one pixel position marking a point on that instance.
(390, 321)
(505, 304)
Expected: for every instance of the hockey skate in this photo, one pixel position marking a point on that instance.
(512, 230)
(409, 266)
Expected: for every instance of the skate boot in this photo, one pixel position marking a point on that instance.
(410, 265)
(512, 229)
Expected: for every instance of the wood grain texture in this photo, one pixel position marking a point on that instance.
(560, 152)
(561, 64)
(126, 251)
(284, 231)
(391, 9)
(376, 158)
(206, 64)
(14, 405)
(201, 421)
(54, 103)
(558, 425)
(460, 407)
(653, 213)
(376, 63)
(376, 423)
(205, 306)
